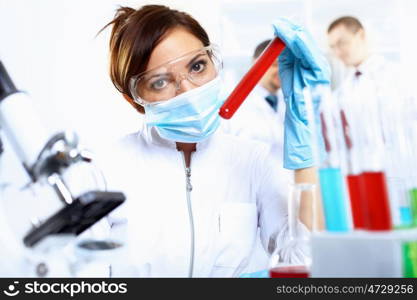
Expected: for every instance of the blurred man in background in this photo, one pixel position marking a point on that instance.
(349, 42)
(372, 83)
(261, 116)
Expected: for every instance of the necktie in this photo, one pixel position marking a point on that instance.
(273, 101)
(358, 73)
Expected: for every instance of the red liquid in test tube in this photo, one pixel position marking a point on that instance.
(355, 182)
(376, 201)
(252, 77)
(357, 202)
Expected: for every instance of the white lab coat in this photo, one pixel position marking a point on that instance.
(256, 120)
(375, 95)
(235, 189)
(379, 76)
(357, 97)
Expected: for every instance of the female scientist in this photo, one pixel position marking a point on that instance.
(196, 196)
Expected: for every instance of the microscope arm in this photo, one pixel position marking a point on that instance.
(45, 157)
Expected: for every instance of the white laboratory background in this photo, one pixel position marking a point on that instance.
(51, 49)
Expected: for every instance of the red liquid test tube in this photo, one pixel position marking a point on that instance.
(357, 201)
(252, 77)
(376, 201)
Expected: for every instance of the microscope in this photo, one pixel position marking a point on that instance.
(49, 161)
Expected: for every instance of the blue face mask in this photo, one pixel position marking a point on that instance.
(189, 117)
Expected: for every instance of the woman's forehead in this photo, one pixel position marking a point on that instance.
(176, 43)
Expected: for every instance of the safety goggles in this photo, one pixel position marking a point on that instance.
(163, 82)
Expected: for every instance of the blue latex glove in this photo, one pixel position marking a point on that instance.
(301, 65)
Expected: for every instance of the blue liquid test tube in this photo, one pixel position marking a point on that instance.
(332, 183)
(333, 197)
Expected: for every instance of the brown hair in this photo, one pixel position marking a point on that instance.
(134, 35)
(351, 23)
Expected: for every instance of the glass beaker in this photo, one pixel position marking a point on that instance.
(292, 257)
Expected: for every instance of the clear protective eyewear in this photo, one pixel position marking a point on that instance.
(163, 82)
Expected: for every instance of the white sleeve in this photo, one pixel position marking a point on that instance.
(272, 201)
(239, 125)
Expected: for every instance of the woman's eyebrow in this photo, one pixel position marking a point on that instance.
(194, 59)
(170, 73)
(159, 75)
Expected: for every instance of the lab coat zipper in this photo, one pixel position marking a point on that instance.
(189, 188)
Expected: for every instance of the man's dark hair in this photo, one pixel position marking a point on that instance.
(351, 23)
(260, 48)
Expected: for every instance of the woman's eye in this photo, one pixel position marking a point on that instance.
(198, 66)
(158, 84)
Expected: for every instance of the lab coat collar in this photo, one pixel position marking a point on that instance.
(152, 137)
(263, 92)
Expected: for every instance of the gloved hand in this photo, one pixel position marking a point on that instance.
(301, 65)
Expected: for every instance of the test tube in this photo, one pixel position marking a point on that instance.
(409, 250)
(332, 184)
(354, 181)
(398, 171)
(376, 195)
(410, 127)
(411, 146)
(294, 257)
(372, 150)
(249, 81)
